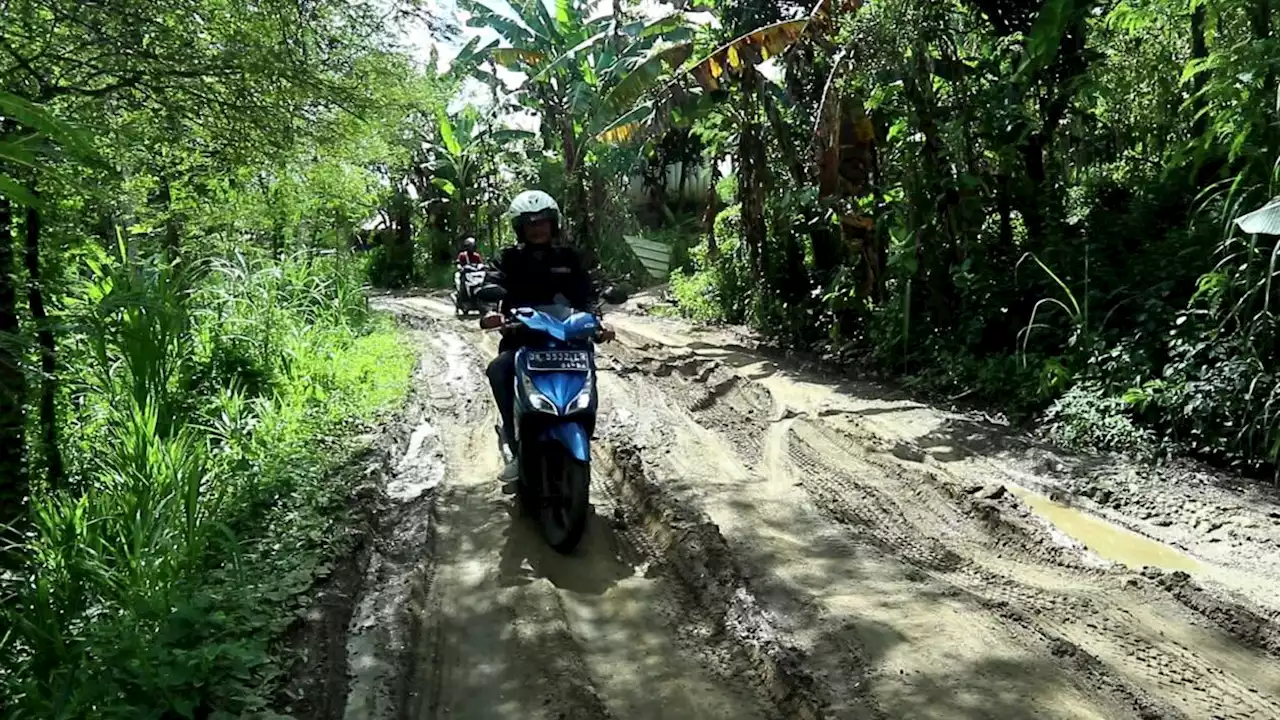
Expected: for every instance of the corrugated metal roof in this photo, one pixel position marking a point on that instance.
(655, 256)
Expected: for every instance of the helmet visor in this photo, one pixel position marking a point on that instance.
(526, 218)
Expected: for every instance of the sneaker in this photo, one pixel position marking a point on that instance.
(510, 471)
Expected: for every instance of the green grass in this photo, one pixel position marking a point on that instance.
(216, 409)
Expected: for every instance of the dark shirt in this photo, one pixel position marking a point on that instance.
(469, 258)
(534, 277)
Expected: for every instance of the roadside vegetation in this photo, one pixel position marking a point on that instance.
(187, 353)
(1031, 205)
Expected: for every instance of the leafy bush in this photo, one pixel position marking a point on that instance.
(697, 294)
(213, 402)
(717, 289)
(1088, 416)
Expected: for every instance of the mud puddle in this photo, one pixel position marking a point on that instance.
(1108, 541)
(935, 586)
(977, 453)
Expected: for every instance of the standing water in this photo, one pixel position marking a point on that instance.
(1108, 541)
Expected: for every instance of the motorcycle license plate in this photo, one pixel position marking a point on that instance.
(559, 360)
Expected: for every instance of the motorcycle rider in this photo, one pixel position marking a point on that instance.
(466, 259)
(468, 256)
(534, 271)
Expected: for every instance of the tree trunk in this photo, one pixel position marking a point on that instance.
(751, 181)
(1260, 19)
(660, 184)
(400, 254)
(1032, 205)
(1043, 203)
(709, 216)
(684, 172)
(574, 215)
(172, 236)
(277, 239)
(751, 159)
(48, 354)
(828, 241)
(1199, 51)
(1261, 22)
(938, 243)
(1004, 207)
(13, 386)
(598, 205)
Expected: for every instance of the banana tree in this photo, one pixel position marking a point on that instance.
(582, 70)
(457, 164)
(695, 89)
(842, 138)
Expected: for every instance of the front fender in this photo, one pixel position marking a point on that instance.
(573, 436)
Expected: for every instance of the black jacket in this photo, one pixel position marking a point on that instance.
(534, 277)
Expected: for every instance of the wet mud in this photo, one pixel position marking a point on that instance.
(766, 544)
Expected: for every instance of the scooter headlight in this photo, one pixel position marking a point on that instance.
(537, 400)
(582, 400)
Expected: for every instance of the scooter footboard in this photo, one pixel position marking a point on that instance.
(574, 437)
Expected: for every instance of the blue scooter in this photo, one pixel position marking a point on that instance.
(555, 417)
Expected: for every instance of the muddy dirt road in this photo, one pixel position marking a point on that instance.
(770, 545)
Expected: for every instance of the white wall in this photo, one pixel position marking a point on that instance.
(696, 184)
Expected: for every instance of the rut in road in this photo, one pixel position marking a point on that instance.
(498, 625)
(751, 556)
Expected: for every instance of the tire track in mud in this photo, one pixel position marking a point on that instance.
(747, 561)
(837, 619)
(1100, 626)
(1013, 530)
(494, 624)
(1109, 647)
(380, 636)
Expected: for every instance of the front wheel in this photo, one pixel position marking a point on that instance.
(556, 492)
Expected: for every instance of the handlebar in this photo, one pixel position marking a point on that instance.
(515, 326)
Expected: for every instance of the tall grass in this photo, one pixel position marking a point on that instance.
(205, 413)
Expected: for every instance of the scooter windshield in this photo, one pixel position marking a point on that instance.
(559, 321)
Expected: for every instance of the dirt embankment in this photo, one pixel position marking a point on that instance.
(769, 544)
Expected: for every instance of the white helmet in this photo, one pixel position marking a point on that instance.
(531, 201)
(532, 205)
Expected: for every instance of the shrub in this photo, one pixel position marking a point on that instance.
(212, 407)
(717, 289)
(1088, 416)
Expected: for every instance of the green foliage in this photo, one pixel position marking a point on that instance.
(211, 407)
(715, 289)
(185, 344)
(1038, 215)
(1089, 415)
(586, 68)
(727, 188)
